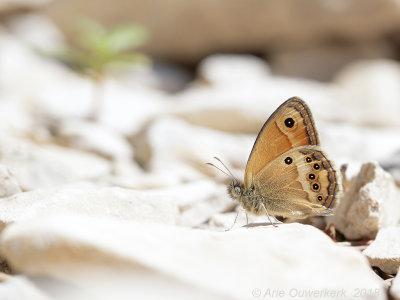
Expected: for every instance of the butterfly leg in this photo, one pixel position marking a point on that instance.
(234, 222)
(269, 219)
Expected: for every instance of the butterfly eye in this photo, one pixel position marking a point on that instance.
(288, 160)
(315, 186)
(316, 166)
(237, 190)
(308, 159)
(289, 122)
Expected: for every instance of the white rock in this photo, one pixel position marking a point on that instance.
(391, 163)
(94, 137)
(235, 104)
(121, 283)
(8, 184)
(395, 288)
(180, 150)
(370, 203)
(36, 166)
(197, 200)
(128, 108)
(322, 62)
(37, 31)
(220, 69)
(363, 144)
(45, 90)
(91, 200)
(19, 287)
(370, 92)
(240, 264)
(226, 221)
(200, 201)
(384, 251)
(15, 116)
(168, 77)
(127, 173)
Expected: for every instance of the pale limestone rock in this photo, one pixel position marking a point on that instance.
(237, 264)
(222, 69)
(159, 75)
(127, 173)
(395, 288)
(21, 288)
(94, 137)
(200, 201)
(180, 150)
(92, 200)
(384, 252)
(391, 163)
(36, 166)
(37, 31)
(322, 62)
(226, 221)
(362, 144)
(197, 200)
(8, 184)
(44, 90)
(370, 92)
(241, 104)
(370, 203)
(120, 282)
(14, 114)
(128, 107)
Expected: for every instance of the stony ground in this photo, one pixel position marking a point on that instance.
(125, 207)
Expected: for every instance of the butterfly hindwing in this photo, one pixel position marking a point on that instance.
(298, 183)
(290, 126)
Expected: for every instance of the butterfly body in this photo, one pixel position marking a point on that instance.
(287, 173)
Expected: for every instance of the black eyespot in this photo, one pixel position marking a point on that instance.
(315, 186)
(311, 176)
(316, 166)
(288, 160)
(289, 122)
(320, 198)
(308, 159)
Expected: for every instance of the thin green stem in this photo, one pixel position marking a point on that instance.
(97, 99)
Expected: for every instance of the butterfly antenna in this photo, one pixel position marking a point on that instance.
(225, 167)
(218, 168)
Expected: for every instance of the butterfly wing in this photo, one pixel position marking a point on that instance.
(290, 126)
(299, 183)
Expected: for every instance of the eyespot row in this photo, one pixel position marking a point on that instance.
(315, 186)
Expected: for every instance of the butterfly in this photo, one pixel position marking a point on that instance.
(287, 173)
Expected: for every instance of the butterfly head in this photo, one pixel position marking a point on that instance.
(235, 189)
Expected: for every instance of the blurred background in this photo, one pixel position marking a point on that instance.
(141, 94)
(151, 85)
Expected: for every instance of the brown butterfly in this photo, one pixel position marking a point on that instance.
(287, 173)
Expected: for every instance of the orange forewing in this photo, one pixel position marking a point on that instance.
(290, 126)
